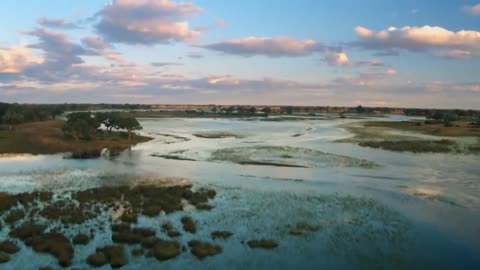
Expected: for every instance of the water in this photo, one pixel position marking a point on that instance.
(410, 211)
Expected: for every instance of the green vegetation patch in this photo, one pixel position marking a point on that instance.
(56, 136)
(414, 146)
(218, 135)
(415, 136)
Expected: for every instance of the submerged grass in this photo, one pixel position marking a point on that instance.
(287, 156)
(217, 135)
(50, 223)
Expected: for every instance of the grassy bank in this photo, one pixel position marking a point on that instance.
(457, 129)
(46, 137)
(462, 137)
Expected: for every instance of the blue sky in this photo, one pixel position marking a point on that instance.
(374, 53)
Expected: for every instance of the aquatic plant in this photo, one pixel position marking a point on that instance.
(286, 156)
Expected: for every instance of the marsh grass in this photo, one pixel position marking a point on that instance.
(287, 156)
(456, 129)
(385, 135)
(46, 137)
(414, 146)
(217, 135)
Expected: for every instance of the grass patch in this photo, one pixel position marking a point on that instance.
(46, 137)
(217, 135)
(385, 135)
(414, 146)
(457, 129)
(174, 157)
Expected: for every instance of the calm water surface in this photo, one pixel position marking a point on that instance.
(413, 211)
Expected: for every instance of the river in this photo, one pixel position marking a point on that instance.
(377, 209)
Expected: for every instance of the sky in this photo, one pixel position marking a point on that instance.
(327, 53)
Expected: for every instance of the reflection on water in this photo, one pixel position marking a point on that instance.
(415, 210)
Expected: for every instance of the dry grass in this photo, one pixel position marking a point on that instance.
(380, 134)
(458, 129)
(46, 137)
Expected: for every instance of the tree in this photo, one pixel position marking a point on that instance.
(288, 109)
(32, 114)
(267, 110)
(360, 109)
(435, 115)
(81, 125)
(448, 118)
(54, 112)
(13, 116)
(108, 119)
(230, 109)
(3, 109)
(129, 123)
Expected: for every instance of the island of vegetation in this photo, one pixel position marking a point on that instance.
(440, 132)
(37, 130)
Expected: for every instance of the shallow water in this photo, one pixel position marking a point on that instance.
(411, 211)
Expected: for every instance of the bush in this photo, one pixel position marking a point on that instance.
(81, 125)
(13, 116)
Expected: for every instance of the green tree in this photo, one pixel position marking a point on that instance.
(267, 110)
(230, 109)
(54, 112)
(288, 109)
(360, 109)
(108, 119)
(81, 125)
(435, 115)
(129, 123)
(13, 116)
(448, 118)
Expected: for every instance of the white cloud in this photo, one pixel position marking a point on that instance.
(474, 10)
(337, 59)
(417, 39)
(16, 59)
(272, 47)
(147, 21)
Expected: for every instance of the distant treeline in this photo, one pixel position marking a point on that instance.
(242, 109)
(19, 113)
(439, 113)
(332, 109)
(14, 114)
